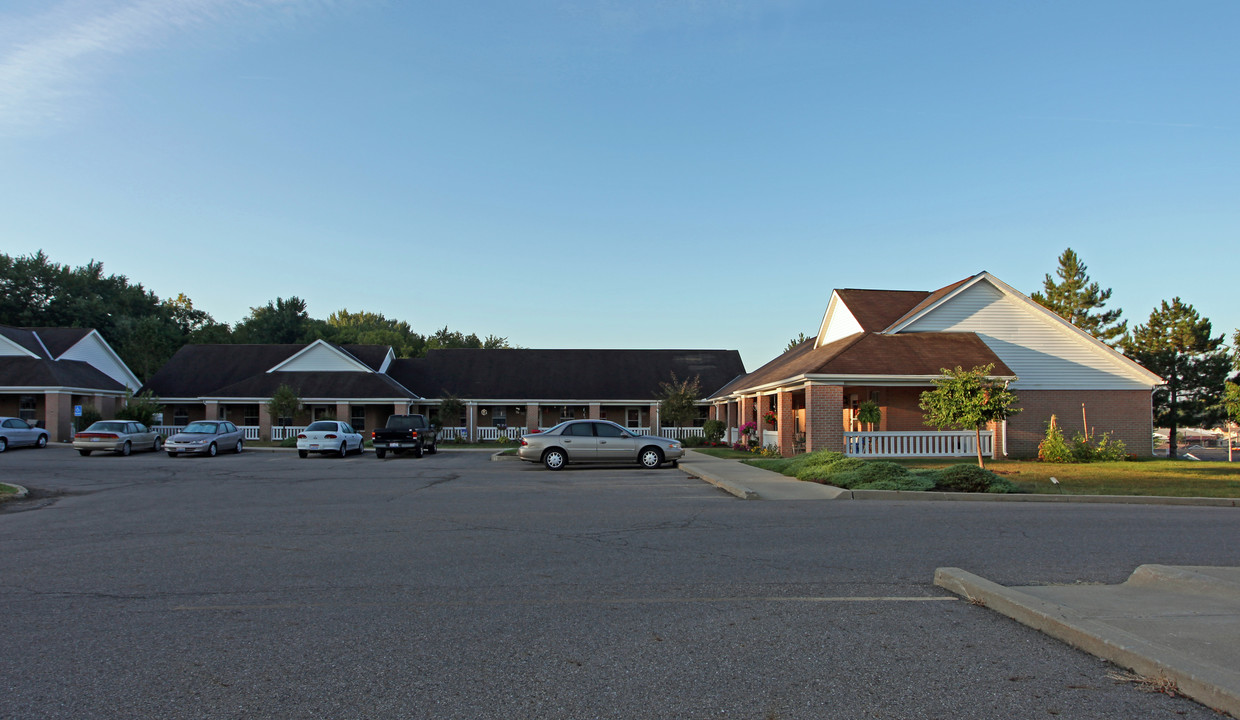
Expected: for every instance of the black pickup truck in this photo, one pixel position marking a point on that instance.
(403, 432)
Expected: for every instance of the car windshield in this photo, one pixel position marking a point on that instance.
(201, 427)
(321, 425)
(106, 426)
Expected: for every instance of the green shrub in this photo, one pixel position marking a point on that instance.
(918, 483)
(140, 408)
(1109, 450)
(714, 429)
(971, 478)
(822, 471)
(865, 472)
(290, 441)
(89, 416)
(1054, 448)
(693, 441)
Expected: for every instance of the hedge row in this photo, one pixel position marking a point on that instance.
(833, 468)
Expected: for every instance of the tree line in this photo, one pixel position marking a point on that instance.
(146, 330)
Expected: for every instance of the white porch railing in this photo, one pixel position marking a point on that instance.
(954, 443)
(770, 437)
(678, 433)
(278, 433)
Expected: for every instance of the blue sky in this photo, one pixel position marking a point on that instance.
(599, 173)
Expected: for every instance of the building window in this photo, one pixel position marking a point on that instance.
(180, 417)
(28, 408)
(499, 417)
(250, 415)
(357, 417)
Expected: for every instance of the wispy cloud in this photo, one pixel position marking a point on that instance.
(48, 60)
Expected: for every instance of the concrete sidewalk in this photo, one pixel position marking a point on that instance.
(1180, 624)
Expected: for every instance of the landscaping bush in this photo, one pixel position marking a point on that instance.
(713, 429)
(1054, 448)
(693, 441)
(971, 478)
(913, 481)
(289, 442)
(866, 473)
(90, 415)
(825, 471)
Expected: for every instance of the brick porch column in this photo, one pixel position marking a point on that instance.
(731, 421)
(342, 412)
(58, 416)
(264, 422)
(746, 415)
(211, 410)
(786, 423)
(532, 417)
(824, 410)
(596, 411)
(654, 419)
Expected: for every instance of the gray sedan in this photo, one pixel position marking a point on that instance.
(15, 432)
(598, 441)
(206, 437)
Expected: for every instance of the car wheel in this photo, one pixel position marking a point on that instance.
(303, 454)
(159, 444)
(675, 464)
(380, 453)
(240, 447)
(41, 442)
(344, 449)
(433, 449)
(554, 459)
(84, 453)
(651, 458)
(212, 450)
(4, 444)
(417, 451)
(126, 449)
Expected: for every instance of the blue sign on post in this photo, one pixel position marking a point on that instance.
(77, 411)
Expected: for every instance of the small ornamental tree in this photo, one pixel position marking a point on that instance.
(968, 399)
(869, 414)
(678, 401)
(140, 408)
(450, 410)
(284, 403)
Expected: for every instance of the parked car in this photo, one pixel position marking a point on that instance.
(329, 436)
(206, 437)
(404, 432)
(118, 436)
(600, 441)
(15, 432)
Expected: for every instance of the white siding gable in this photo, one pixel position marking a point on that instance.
(1042, 351)
(94, 350)
(9, 348)
(838, 323)
(320, 357)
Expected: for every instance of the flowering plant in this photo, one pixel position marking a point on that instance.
(769, 417)
(748, 428)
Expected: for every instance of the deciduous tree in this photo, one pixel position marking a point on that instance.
(678, 400)
(969, 400)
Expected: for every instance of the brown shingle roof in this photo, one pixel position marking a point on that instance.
(876, 310)
(906, 354)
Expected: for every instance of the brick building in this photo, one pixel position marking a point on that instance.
(888, 346)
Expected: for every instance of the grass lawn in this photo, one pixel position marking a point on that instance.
(1170, 478)
(6, 490)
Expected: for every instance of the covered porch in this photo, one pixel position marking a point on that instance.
(812, 416)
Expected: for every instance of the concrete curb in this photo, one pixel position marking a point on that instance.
(1208, 684)
(722, 483)
(19, 495)
(1015, 497)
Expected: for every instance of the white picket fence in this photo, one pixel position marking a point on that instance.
(251, 431)
(954, 443)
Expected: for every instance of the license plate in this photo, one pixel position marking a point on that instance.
(94, 439)
(314, 446)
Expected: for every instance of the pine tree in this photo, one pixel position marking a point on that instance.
(1176, 344)
(1076, 299)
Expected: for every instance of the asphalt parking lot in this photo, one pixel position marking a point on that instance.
(262, 585)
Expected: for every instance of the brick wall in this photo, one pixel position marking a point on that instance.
(785, 424)
(1126, 414)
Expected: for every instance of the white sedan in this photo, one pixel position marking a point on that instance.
(329, 436)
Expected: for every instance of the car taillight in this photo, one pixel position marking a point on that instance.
(301, 436)
(372, 434)
(413, 434)
(524, 442)
(330, 436)
(96, 435)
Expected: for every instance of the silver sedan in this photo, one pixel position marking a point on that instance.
(597, 441)
(206, 437)
(118, 436)
(15, 432)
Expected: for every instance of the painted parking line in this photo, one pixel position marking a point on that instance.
(586, 601)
